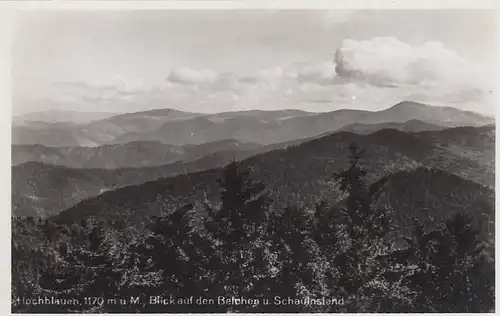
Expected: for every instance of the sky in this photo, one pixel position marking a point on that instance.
(213, 61)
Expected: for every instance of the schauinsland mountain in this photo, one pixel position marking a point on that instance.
(293, 172)
(262, 127)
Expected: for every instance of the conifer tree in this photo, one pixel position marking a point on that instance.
(174, 254)
(289, 235)
(365, 226)
(237, 228)
(446, 268)
(86, 268)
(462, 268)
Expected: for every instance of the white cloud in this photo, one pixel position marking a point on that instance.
(387, 61)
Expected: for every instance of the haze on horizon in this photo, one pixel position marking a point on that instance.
(216, 61)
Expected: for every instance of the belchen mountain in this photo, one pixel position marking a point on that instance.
(263, 127)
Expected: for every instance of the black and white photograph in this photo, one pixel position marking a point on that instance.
(253, 161)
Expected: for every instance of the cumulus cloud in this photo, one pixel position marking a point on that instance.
(387, 61)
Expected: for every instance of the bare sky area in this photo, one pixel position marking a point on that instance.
(212, 61)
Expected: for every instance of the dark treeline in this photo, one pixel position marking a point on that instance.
(351, 255)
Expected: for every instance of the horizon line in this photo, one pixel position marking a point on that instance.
(252, 110)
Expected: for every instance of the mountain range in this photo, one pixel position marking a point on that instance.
(426, 180)
(179, 128)
(134, 165)
(154, 153)
(296, 173)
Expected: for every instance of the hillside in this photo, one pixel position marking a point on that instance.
(44, 190)
(134, 154)
(429, 195)
(432, 196)
(264, 127)
(409, 126)
(305, 167)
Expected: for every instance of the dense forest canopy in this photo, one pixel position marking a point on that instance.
(372, 249)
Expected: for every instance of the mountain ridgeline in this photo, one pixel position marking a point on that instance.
(165, 211)
(262, 127)
(130, 155)
(295, 172)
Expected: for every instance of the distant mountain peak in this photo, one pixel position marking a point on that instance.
(156, 112)
(415, 121)
(404, 104)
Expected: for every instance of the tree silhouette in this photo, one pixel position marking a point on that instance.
(176, 256)
(236, 228)
(462, 268)
(365, 225)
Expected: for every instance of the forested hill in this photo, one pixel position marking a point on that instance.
(138, 154)
(414, 240)
(428, 194)
(432, 196)
(307, 167)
